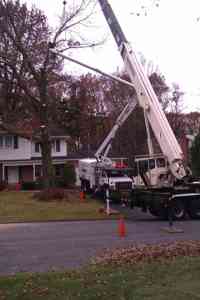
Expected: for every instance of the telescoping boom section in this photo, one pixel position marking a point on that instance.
(146, 96)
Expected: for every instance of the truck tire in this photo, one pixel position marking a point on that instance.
(179, 210)
(194, 209)
(154, 212)
(159, 212)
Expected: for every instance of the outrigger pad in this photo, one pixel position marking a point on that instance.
(172, 230)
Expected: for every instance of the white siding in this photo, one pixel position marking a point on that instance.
(22, 152)
(26, 150)
(63, 150)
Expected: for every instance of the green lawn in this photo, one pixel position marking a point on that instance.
(20, 206)
(177, 280)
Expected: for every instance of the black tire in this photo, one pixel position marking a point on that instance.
(194, 209)
(162, 214)
(178, 210)
(159, 212)
(154, 212)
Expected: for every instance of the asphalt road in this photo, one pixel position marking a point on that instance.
(39, 247)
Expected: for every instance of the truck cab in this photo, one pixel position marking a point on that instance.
(116, 178)
(96, 177)
(151, 170)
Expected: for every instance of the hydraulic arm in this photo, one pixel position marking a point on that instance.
(146, 96)
(104, 148)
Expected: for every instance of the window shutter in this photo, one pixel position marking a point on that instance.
(16, 144)
(57, 145)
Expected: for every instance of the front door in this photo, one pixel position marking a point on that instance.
(13, 175)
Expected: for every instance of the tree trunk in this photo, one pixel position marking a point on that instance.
(47, 166)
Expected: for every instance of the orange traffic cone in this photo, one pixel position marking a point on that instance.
(122, 227)
(82, 196)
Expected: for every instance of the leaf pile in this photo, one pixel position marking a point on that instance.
(148, 253)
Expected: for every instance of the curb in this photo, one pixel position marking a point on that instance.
(59, 221)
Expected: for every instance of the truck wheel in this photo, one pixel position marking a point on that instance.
(159, 212)
(162, 214)
(194, 209)
(154, 212)
(179, 210)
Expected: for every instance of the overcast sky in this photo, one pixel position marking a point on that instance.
(169, 36)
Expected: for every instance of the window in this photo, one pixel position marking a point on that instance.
(115, 173)
(160, 162)
(37, 147)
(8, 141)
(15, 142)
(55, 145)
(152, 164)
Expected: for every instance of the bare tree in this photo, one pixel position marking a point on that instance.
(29, 71)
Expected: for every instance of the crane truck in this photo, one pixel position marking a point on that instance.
(164, 176)
(161, 180)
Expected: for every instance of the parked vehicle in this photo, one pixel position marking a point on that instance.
(97, 177)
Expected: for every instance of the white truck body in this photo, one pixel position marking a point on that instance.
(87, 170)
(97, 177)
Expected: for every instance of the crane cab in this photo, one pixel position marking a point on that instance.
(151, 170)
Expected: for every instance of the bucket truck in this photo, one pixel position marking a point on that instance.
(160, 173)
(100, 173)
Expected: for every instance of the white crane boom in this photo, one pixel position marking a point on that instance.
(146, 96)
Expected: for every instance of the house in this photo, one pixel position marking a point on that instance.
(20, 155)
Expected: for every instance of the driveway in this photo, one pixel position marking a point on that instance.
(39, 247)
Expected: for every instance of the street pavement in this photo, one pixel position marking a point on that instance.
(40, 247)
